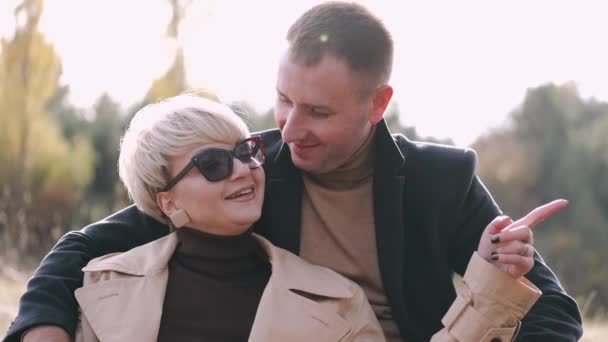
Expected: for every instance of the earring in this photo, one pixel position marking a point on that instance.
(179, 218)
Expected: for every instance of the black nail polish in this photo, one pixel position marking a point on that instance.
(494, 253)
(494, 257)
(495, 239)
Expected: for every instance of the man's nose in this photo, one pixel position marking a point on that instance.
(294, 128)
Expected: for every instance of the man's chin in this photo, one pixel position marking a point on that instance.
(305, 165)
(309, 166)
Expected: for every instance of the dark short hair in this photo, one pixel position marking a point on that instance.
(347, 31)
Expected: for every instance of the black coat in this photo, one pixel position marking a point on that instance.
(430, 210)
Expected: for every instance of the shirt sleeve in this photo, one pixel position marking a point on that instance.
(489, 305)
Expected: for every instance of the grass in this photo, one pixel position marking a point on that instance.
(12, 285)
(595, 331)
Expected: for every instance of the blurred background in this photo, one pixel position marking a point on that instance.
(524, 83)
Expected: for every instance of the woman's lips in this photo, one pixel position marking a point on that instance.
(244, 194)
(244, 198)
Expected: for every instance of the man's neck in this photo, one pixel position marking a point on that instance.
(356, 170)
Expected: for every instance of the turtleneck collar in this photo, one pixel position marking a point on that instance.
(216, 254)
(358, 169)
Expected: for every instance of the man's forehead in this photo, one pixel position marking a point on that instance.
(316, 60)
(317, 83)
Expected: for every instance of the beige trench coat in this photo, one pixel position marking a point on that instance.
(123, 293)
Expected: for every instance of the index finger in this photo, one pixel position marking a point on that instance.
(540, 214)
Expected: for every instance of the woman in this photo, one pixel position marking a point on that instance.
(191, 163)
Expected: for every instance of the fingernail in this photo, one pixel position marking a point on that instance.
(494, 253)
(495, 239)
(494, 256)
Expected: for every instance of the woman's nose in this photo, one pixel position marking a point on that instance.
(239, 169)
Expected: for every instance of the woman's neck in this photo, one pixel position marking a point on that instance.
(218, 254)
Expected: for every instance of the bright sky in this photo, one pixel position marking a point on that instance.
(460, 66)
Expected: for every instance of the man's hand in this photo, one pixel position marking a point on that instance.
(47, 333)
(509, 245)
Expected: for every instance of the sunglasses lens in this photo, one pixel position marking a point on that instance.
(215, 165)
(250, 153)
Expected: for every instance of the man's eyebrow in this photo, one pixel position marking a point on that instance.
(309, 105)
(280, 92)
(324, 107)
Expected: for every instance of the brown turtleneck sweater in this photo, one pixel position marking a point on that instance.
(214, 287)
(338, 228)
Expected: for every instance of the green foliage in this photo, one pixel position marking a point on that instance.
(43, 175)
(103, 127)
(555, 146)
(172, 83)
(105, 132)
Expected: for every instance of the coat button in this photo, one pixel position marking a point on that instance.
(496, 339)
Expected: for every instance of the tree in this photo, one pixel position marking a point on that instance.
(392, 117)
(173, 82)
(105, 131)
(42, 174)
(555, 146)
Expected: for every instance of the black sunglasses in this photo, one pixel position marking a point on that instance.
(216, 164)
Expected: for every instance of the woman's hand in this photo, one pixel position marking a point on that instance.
(509, 245)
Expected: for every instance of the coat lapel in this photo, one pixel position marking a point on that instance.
(135, 294)
(390, 237)
(283, 203)
(391, 229)
(286, 314)
(110, 305)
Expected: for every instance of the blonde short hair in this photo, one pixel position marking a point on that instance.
(168, 129)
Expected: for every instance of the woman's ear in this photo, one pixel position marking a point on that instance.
(179, 217)
(165, 203)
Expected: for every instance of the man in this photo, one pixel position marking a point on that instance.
(395, 216)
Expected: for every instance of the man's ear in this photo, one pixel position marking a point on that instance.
(380, 100)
